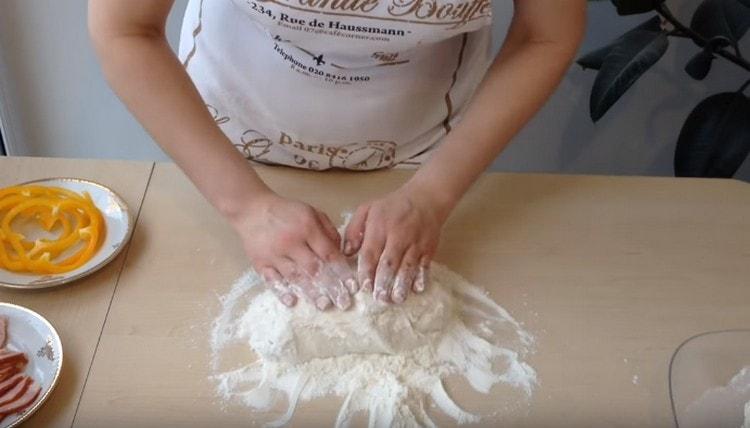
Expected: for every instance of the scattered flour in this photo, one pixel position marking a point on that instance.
(386, 361)
(723, 406)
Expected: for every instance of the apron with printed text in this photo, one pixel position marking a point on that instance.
(353, 84)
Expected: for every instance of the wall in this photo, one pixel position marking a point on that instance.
(61, 105)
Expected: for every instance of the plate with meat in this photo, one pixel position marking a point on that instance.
(30, 363)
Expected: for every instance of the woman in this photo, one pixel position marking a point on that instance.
(319, 84)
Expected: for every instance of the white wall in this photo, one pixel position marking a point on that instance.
(58, 102)
(61, 106)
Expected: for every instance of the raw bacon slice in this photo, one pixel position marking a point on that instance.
(13, 366)
(10, 383)
(23, 402)
(3, 331)
(16, 392)
(8, 372)
(13, 359)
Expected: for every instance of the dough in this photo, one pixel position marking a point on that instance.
(369, 327)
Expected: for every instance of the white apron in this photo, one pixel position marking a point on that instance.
(353, 84)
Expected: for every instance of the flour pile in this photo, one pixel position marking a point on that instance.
(386, 361)
(723, 406)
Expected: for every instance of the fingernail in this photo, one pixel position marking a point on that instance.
(347, 248)
(288, 300)
(343, 302)
(419, 283)
(382, 296)
(399, 290)
(367, 285)
(399, 295)
(351, 285)
(323, 303)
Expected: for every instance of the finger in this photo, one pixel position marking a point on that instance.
(407, 272)
(367, 260)
(309, 266)
(334, 288)
(385, 273)
(355, 232)
(342, 270)
(294, 277)
(323, 246)
(324, 278)
(334, 261)
(288, 270)
(328, 228)
(312, 293)
(275, 282)
(301, 284)
(422, 281)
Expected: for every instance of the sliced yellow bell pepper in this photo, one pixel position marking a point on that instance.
(76, 214)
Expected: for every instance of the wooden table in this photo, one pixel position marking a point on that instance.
(610, 274)
(77, 311)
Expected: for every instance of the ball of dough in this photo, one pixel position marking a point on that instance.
(368, 327)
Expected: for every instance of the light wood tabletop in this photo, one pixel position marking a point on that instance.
(610, 275)
(77, 310)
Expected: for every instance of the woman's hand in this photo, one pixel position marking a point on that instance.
(288, 242)
(296, 249)
(396, 237)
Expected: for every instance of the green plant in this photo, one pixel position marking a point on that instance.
(715, 139)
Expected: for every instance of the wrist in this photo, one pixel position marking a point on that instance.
(236, 209)
(436, 195)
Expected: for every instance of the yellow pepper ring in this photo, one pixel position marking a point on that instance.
(48, 222)
(50, 207)
(5, 261)
(44, 265)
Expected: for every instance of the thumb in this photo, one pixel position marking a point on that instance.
(328, 228)
(355, 231)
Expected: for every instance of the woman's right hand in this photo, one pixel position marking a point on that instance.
(288, 242)
(296, 249)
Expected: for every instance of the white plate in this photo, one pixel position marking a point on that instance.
(30, 333)
(119, 225)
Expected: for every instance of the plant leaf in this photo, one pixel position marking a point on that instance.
(715, 139)
(633, 7)
(727, 18)
(700, 64)
(595, 59)
(623, 66)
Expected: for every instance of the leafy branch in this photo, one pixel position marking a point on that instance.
(681, 30)
(715, 139)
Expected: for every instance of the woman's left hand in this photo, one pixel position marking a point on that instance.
(396, 237)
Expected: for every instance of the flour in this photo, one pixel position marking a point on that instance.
(387, 361)
(722, 406)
